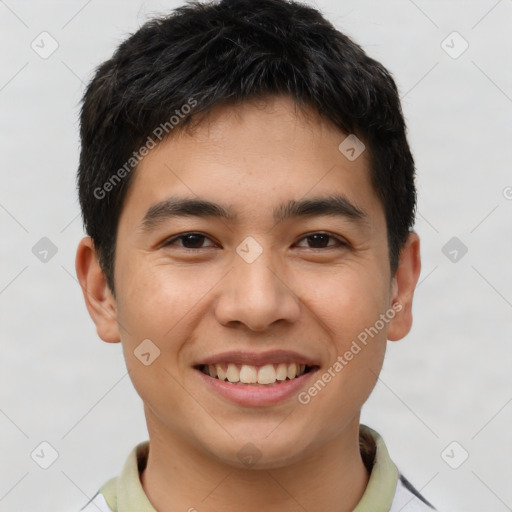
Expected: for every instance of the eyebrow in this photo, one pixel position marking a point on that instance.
(173, 207)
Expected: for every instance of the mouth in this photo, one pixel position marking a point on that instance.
(256, 379)
(269, 374)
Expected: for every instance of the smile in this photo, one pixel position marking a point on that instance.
(265, 375)
(256, 379)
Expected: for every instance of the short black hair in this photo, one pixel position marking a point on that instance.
(202, 54)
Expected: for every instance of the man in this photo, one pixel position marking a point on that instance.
(248, 194)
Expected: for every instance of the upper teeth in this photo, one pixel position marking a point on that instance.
(248, 374)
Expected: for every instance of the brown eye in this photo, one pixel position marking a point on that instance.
(189, 241)
(321, 241)
(193, 241)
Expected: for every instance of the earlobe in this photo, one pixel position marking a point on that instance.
(98, 298)
(403, 286)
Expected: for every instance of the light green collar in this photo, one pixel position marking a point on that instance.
(125, 493)
(381, 487)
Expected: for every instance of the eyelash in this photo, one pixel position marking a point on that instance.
(340, 242)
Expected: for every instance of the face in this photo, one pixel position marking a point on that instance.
(274, 283)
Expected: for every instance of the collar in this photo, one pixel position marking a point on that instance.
(125, 493)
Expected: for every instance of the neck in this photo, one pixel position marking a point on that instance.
(178, 476)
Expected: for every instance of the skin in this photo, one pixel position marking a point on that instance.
(297, 295)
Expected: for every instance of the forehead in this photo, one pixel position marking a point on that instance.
(249, 155)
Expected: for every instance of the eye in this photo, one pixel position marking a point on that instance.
(320, 240)
(191, 241)
(195, 241)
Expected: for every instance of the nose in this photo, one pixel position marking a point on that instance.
(257, 296)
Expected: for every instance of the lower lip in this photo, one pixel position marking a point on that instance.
(253, 395)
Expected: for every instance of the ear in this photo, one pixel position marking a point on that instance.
(98, 298)
(403, 286)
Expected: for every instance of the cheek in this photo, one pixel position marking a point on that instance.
(155, 309)
(348, 301)
(350, 305)
(356, 353)
(163, 304)
(154, 298)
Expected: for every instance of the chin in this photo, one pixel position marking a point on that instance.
(260, 452)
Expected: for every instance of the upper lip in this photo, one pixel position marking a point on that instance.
(258, 358)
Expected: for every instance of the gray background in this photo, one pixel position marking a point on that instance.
(449, 380)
